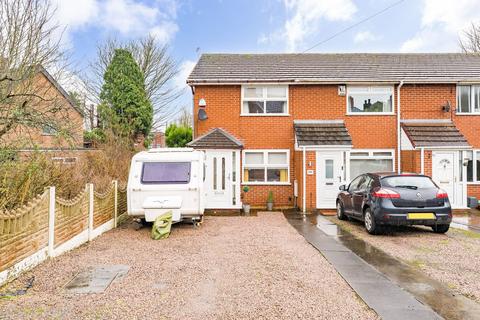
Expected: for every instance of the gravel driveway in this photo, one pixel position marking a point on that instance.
(230, 268)
(452, 258)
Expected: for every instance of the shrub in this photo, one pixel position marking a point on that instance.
(21, 180)
(178, 136)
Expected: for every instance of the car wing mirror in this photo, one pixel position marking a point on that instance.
(342, 187)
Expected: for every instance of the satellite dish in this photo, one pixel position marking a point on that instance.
(202, 114)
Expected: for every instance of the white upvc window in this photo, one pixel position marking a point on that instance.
(468, 99)
(266, 166)
(473, 165)
(363, 100)
(264, 100)
(373, 160)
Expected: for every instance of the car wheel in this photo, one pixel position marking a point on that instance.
(369, 221)
(441, 228)
(340, 212)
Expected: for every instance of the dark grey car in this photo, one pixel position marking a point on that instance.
(381, 199)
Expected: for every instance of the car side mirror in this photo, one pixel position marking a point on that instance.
(342, 187)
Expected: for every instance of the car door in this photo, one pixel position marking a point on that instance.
(360, 196)
(348, 198)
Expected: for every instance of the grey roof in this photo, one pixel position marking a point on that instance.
(336, 68)
(434, 135)
(318, 133)
(217, 138)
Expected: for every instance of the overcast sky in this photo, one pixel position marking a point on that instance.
(192, 27)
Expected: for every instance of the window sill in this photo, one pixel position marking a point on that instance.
(476, 183)
(266, 183)
(467, 113)
(370, 113)
(264, 115)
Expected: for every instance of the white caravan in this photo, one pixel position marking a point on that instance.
(167, 179)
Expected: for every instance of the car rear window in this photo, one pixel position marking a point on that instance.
(413, 182)
(166, 172)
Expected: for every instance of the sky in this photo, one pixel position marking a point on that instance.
(193, 27)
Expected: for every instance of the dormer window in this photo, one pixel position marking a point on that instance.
(265, 100)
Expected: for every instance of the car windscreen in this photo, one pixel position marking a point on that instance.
(166, 173)
(410, 182)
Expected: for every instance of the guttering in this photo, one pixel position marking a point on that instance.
(304, 182)
(193, 82)
(399, 147)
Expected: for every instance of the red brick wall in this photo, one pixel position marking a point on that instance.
(411, 161)
(66, 118)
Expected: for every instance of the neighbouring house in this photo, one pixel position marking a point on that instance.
(67, 116)
(301, 125)
(158, 140)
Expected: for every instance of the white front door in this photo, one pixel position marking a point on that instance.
(222, 185)
(446, 174)
(329, 177)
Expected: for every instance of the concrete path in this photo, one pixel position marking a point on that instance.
(386, 298)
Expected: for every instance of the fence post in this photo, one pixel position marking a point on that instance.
(90, 211)
(115, 205)
(51, 221)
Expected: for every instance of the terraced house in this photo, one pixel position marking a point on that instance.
(301, 125)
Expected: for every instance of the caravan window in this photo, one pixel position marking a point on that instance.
(166, 172)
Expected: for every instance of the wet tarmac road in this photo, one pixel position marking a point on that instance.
(425, 289)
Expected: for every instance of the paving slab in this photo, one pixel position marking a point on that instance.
(96, 279)
(386, 298)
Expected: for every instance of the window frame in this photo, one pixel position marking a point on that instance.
(370, 156)
(472, 99)
(475, 158)
(145, 183)
(266, 166)
(383, 113)
(264, 99)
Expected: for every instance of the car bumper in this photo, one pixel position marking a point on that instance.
(398, 217)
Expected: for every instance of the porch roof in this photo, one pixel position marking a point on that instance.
(322, 133)
(444, 134)
(216, 138)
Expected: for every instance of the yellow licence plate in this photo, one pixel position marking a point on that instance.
(421, 216)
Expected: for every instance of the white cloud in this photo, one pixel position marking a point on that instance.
(185, 69)
(442, 23)
(307, 14)
(130, 18)
(365, 36)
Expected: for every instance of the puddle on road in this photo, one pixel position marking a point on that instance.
(96, 279)
(424, 288)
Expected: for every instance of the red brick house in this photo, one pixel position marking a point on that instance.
(301, 125)
(53, 103)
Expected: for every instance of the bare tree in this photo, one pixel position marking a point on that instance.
(470, 39)
(185, 118)
(157, 66)
(29, 45)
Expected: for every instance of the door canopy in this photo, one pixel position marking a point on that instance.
(216, 138)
